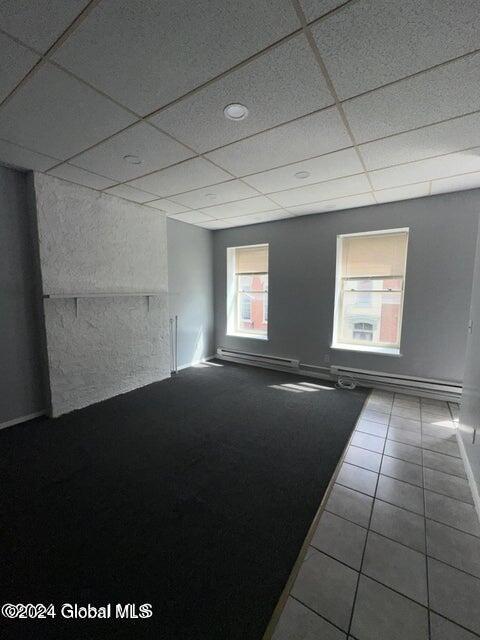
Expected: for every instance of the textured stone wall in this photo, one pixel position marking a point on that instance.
(95, 243)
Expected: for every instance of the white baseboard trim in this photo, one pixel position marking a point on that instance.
(30, 416)
(192, 364)
(469, 472)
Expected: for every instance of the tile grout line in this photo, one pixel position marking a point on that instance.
(383, 584)
(354, 602)
(368, 529)
(425, 532)
(280, 606)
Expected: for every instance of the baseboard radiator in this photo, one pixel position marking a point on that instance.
(257, 359)
(428, 388)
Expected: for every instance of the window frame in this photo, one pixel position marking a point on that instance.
(376, 347)
(233, 309)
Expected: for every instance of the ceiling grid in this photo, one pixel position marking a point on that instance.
(308, 144)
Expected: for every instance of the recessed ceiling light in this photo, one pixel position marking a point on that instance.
(132, 159)
(301, 175)
(235, 111)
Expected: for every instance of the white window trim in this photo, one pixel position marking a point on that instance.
(232, 291)
(375, 349)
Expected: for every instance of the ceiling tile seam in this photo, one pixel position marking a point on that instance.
(247, 215)
(92, 173)
(272, 128)
(43, 56)
(23, 44)
(438, 155)
(411, 75)
(171, 202)
(427, 180)
(100, 191)
(246, 61)
(174, 215)
(145, 118)
(311, 184)
(328, 14)
(420, 127)
(321, 155)
(310, 202)
(92, 4)
(21, 146)
(234, 177)
(326, 75)
(202, 155)
(193, 150)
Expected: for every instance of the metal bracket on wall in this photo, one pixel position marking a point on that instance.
(173, 343)
(96, 294)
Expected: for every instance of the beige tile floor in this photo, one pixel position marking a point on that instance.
(396, 553)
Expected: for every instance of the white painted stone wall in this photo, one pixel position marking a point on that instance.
(95, 243)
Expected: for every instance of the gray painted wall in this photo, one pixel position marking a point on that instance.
(190, 287)
(470, 405)
(91, 242)
(443, 231)
(20, 362)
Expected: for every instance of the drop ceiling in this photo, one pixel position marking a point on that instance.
(350, 103)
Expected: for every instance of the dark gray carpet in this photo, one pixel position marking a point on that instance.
(193, 494)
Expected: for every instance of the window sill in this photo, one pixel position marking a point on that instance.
(382, 351)
(254, 336)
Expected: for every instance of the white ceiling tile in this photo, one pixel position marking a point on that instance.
(367, 44)
(16, 156)
(313, 9)
(242, 207)
(348, 202)
(146, 53)
(323, 191)
(447, 91)
(167, 206)
(16, 63)
(423, 170)
(458, 183)
(282, 84)
(332, 165)
(39, 23)
(192, 217)
(54, 114)
(191, 174)
(129, 193)
(155, 150)
(80, 176)
(403, 193)
(433, 140)
(241, 221)
(218, 194)
(306, 137)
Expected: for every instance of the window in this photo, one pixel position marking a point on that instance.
(247, 291)
(246, 309)
(369, 291)
(363, 331)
